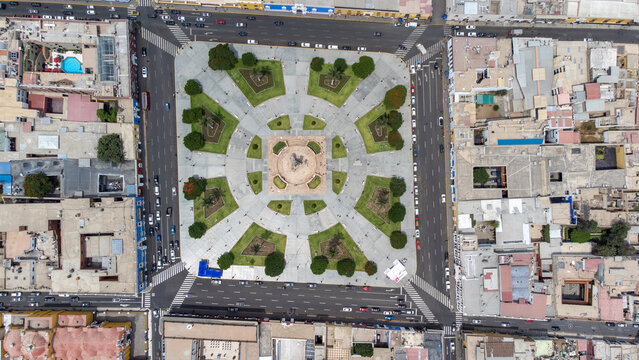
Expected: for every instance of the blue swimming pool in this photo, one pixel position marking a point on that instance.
(71, 65)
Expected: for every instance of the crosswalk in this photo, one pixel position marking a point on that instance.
(179, 34)
(431, 51)
(448, 31)
(146, 300)
(145, 2)
(184, 289)
(159, 41)
(411, 40)
(421, 305)
(167, 273)
(430, 290)
(459, 318)
(448, 331)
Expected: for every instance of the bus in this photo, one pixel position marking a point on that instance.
(145, 101)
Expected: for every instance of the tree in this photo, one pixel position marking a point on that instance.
(613, 241)
(211, 198)
(319, 264)
(197, 230)
(395, 140)
(256, 248)
(397, 212)
(480, 175)
(346, 267)
(370, 268)
(364, 67)
(274, 264)
(222, 57)
(317, 64)
(397, 186)
(225, 260)
(395, 119)
(37, 185)
(335, 74)
(110, 148)
(587, 226)
(192, 87)
(340, 65)
(192, 116)
(109, 113)
(395, 97)
(382, 197)
(398, 240)
(193, 188)
(194, 141)
(249, 59)
(363, 350)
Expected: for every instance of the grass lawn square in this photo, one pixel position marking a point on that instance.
(280, 123)
(257, 243)
(319, 85)
(213, 214)
(257, 90)
(255, 149)
(313, 123)
(336, 244)
(339, 151)
(255, 180)
(373, 210)
(339, 179)
(281, 206)
(313, 206)
(221, 129)
(363, 125)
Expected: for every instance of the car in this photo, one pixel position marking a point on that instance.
(165, 17)
(622, 325)
(167, 106)
(252, 42)
(233, 309)
(198, 25)
(157, 215)
(186, 24)
(34, 304)
(446, 256)
(292, 43)
(289, 284)
(361, 48)
(144, 72)
(319, 46)
(410, 312)
(278, 23)
(363, 309)
(346, 47)
(159, 263)
(158, 238)
(366, 288)
(156, 180)
(447, 272)
(416, 222)
(414, 123)
(333, 47)
(150, 219)
(240, 24)
(305, 45)
(587, 39)
(459, 33)
(505, 324)
(447, 284)
(157, 201)
(67, 13)
(16, 299)
(472, 34)
(476, 321)
(470, 27)
(58, 17)
(205, 14)
(414, 138)
(414, 164)
(172, 253)
(414, 112)
(443, 198)
(116, 16)
(47, 17)
(159, 250)
(171, 245)
(347, 309)
(251, 18)
(15, 294)
(35, 4)
(375, 309)
(389, 317)
(412, 99)
(172, 229)
(156, 313)
(554, 328)
(170, 22)
(176, 12)
(116, 299)
(90, 12)
(312, 285)
(112, 9)
(156, 190)
(165, 259)
(401, 306)
(415, 151)
(388, 312)
(200, 19)
(173, 191)
(15, 3)
(157, 227)
(377, 34)
(417, 233)
(635, 326)
(349, 287)
(611, 324)
(151, 231)
(452, 346)
(436, 65)
(4, 293)
(441, 148)
(181, 18)
(258, 283)
(412, 69)
(243, 282)
(49, 299)
(33, 11)
(169, 211)
(441, 121)
(419, 65)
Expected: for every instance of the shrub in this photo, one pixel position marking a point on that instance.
(110, 148)
(395, 119)
(192, 87)
(225, 260)
(249, 59)
(319, 264)
(613, 241)
(274, 264)
(317, 64)
(397, 186)
(192, 116)
(109, 113)
(193, 188)
(586, 225)
(340, 65)
(278, 147)
(197, 230)
(370, 268)
(222, 57)
(480, 175)
(194, 141)
(363, 350)
(314, 146)
(397, 212)
(495, 107)
(395, 97)
(364, 67)
(37, 185)
(546, 232)
(395, 140)
(346, 267)
(398, 240)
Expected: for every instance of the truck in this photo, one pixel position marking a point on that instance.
(412, 24)
(421, 48)
(516, 32)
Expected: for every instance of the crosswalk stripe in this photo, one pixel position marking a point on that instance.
(431, 51)
(184, 289)
(447, 30)
(179, 34)
(430, 290)
(146, 300)
(411, 40)
(448, 330)
(159, 41)
(145, 2)
(421, 305)
(168, 273)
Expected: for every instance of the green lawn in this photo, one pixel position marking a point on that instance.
(313, 206)
(255, 149)
(253, 231)
(313, 123)
(365, 132)
(281, 206)
(314, 241)
(315, 182)
(229, 203)
(255, 180)
(280, 123)
(339, 151)
(230, 123)
(258, 98)
(339, 179)
(336, 99)
(371, 183)
(279, 182)
(278, 147)
(314, 146)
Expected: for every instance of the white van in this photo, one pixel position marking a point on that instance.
(333, 47)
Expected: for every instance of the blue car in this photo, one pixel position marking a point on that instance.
(159, 238)
(389, 317)
(172, 229)
(167, 106)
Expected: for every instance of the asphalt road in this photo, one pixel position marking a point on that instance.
(29, 300)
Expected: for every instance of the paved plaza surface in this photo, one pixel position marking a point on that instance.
(192, 63)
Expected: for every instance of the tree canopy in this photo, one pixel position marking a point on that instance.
(194, 141)
(397, 212)
(613, 241)
(346, 267)
(364, 67)
(370, 268)
(193, 188)
(192, 116)
(395, 97)
(197, 230)
(249, 59)
(317, 64)
(340, 65)
(398, 240)
(363, 350)
(274, 264)
(395, 140)
(397, 186)
(480, 175)
(225, 260)
(37, 185)
(395, 119)
(110, 148)
(319, 264)
(222, 57)
(192, 87)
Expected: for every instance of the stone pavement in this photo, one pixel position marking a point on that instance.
(389, 71)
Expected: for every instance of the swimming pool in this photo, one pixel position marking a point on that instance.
(71, 65)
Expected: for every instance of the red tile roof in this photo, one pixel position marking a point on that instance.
(593, 91)
(536, 310)
(592, 264)
(416, 354)
(609, 309)
(568, 137)
(80, 108)
(506, 283)
(522, 259)
(38, 102)
(99, 343)
(30, 345)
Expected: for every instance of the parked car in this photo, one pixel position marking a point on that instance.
(252, 42)
(377, 34)
(157, 215)
(389, 317)
(505, 324)
(243, 282)
(361, 48)
(242, 33)
(278, 23)
(200, 19)
(476, 321)
(305, 45)
(347, 309)
(250, 18)
(312, 285)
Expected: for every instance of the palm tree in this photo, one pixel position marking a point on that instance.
(211, 198)
(335, 74)
(256, 248)
(382, 197)
(263, 71)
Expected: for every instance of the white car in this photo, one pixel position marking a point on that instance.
(412, 99)
(157, 215)
(319, 46)
(68, 7)
(333, 47)
(416, 201)
(144, 72)
(419, 65)
(452, 346)
(59, 17)
(416, 190)
(47, 17)
(447, 271)
(476, 321)
(361, 48)
(472, 34)
(412, 69)
(347, 309)
(199, 19)
(181, 18)
(417, 233)
(156, 190)
(206, 14)
(173, 191)
(240, 24)
(414, 112)
(447, 285)
(90, 12)
(415, 167)
(414, 123)
(165, 17)
(414, 138)
(443, 198)
(251, 42)
(70, 17)
(306, 45)
(90, 7)
(388, 312)
(470, 27)
(459, 33)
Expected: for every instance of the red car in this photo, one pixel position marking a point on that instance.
(363, 309)
(221, 22)
(419, 246)
(416, 222)
(366, 288)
